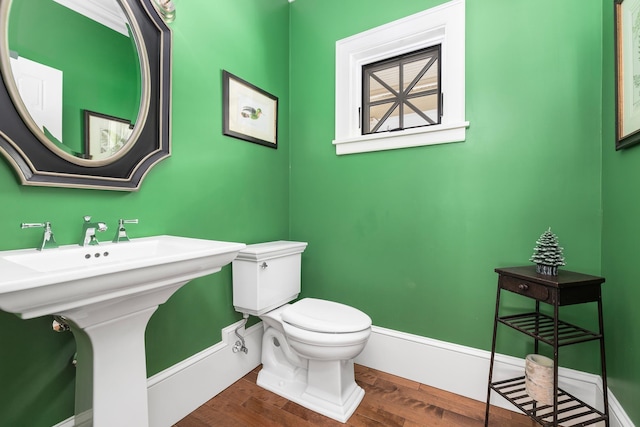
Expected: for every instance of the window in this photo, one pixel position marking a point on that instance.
(402, 92)
(439, 29)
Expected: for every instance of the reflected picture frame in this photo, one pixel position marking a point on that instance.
(627, 65)
(249, 113)
(104, 135)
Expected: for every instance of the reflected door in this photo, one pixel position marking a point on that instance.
(40, 88)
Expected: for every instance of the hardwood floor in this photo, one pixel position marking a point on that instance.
(389, 401)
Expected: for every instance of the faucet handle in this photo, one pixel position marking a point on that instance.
(48, 241)
(33, 225)
(121, 232)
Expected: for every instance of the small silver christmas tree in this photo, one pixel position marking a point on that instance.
(547, 254)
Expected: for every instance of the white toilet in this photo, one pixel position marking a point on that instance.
(308, 347)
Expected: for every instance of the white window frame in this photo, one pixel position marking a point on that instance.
(442, 25)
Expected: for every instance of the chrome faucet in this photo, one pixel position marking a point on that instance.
(48, 241)
(121, 232)
(89, 230)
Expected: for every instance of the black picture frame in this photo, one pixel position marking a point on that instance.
(249, 113)
(104, 135)
(627, 93)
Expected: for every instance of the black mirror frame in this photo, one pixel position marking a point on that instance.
(37, 165)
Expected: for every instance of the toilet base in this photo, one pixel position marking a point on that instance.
(313, 395)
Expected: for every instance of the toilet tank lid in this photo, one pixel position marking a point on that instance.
(325, 316)
(269, 250)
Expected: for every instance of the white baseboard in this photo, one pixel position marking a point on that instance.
(465, 370)
(179, 390)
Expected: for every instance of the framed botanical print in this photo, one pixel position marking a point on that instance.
(250, 113)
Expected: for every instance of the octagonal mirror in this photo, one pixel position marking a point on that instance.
(85, 91)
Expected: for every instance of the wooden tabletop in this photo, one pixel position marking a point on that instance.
(564, 279)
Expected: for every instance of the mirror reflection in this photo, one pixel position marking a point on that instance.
(77, 72)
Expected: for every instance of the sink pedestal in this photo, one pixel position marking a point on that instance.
(108, 294)
(111, 376)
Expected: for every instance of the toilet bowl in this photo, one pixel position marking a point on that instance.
(310, 367)
(308, 346)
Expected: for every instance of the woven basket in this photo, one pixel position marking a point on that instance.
(538, 376)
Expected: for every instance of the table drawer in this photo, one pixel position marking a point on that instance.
(526, 288)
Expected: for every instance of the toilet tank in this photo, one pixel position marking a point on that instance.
(266, 276)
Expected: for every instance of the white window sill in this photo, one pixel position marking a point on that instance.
(428, 135)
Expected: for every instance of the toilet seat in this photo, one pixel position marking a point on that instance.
(325, 316)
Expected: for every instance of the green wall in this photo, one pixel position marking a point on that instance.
(412, 236)
(212, 187)
(620, 242)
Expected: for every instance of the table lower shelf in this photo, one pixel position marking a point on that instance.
(572, 412)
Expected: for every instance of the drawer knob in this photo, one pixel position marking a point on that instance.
(523, 287)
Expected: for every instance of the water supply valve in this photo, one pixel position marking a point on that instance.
(240, 347)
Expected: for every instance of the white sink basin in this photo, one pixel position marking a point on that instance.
(78, 257)
(108, 293)
(35, 283)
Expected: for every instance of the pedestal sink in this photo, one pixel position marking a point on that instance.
(107, 293)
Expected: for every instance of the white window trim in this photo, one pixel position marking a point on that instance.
(443, 25)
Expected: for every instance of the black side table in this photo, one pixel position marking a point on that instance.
(566, 288)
